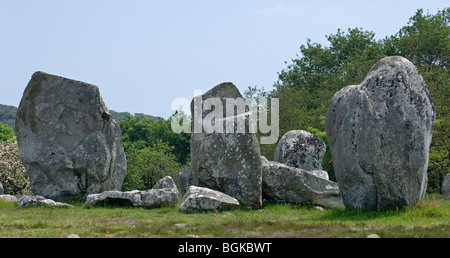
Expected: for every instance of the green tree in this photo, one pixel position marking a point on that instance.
(144, 132)
(146, 166)
(425, 41)
(6, 132)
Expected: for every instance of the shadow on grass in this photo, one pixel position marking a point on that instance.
(344, 214)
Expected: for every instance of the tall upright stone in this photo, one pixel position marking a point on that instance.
(225, 161)
(445, 188)
(68, 141)
(379, 134)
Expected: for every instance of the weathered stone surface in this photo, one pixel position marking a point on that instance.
(27, 201)
(205, 199)
(185, 179)
(8, 198)
(285, 184)
(300, 149)
(68, 142)
(1, 189)
(164, 193)
(165, 182)
(226, 162)
(445, 188)
(320, 173)
(379, 134)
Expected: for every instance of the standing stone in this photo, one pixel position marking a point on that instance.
(185, 179)
(379, 134)
(445, 188)
(1, 189)
(68, 141)
(226, 162)
(301, 149)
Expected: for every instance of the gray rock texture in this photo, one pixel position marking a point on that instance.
(1, 189)
(285, 184)
(301, 149)
(379, 134)
(164, 193)
(445, 188)
(185, 179)
(165, 182)
(68, 141)
(205, 199)
(8, 198)
(34, 201)
(226, 162)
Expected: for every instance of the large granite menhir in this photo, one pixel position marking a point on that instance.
(225, 162)
(68, 141)
(379, 134)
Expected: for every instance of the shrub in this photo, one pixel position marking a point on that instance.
(12, 172)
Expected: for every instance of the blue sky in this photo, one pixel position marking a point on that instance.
(144, 54)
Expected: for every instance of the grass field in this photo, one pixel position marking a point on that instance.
(428, 219)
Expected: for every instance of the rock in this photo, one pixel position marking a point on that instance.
(8, 198)
(165, 182)
(152, 198)
(373, 236)
(185, 179)
(204, 199)
(27, 201)
(318, 208)
(68, 142)
(180, 225)
(379, 134)
(320, 173)
(228, 162)
(73, 236)
(285, 184)
(1, 189)
(301, 149)
(445, 188)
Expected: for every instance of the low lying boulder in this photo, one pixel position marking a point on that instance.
(285, 184)
(150, 198)
(164, 193)
(35, 201)
(205, 199)
(8, 198)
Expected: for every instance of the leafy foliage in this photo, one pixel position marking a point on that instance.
(8, 115)
(149, 164)
(153, 151)
(6, 132)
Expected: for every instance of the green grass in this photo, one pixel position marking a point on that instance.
(429, 219)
